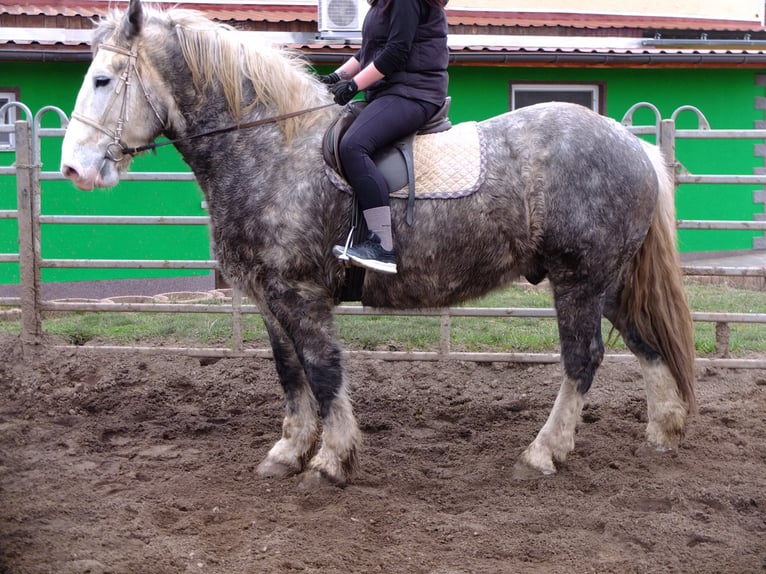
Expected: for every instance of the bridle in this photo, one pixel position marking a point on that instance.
(116, 150)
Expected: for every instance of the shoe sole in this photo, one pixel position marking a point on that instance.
(374, 264)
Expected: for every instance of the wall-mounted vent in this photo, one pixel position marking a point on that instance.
(342, 18)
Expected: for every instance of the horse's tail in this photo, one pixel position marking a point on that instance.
(654, 299)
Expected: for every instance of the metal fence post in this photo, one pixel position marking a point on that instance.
(28, 198)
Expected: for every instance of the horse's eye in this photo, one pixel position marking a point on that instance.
(101, 81)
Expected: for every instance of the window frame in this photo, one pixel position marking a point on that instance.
(8, 95)
(598, 89)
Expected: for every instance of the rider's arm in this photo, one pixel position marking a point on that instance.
(368, 77)
(349, 69)
(364, 78)
(404, 18)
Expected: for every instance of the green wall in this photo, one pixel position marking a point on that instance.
(43, 84)
(726, 97)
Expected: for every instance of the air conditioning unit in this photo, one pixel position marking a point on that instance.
(342, 18)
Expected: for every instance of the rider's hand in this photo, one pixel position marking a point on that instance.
(344, 91)
(330, 79)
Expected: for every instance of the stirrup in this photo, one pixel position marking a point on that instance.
(341, 253)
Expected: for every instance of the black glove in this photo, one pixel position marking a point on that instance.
(344, 91)
(330, 79)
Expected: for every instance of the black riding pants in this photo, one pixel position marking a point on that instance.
(382, 122)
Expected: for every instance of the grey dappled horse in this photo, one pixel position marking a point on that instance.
(569, 195)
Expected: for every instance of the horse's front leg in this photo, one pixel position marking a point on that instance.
(307, 321)
(300, 429)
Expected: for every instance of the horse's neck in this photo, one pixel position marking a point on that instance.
(214, 158)
(208, 109)
(257, 159)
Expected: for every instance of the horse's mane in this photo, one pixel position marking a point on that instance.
(218, 54)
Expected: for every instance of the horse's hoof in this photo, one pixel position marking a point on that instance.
(524, 471)
(313, 479)
(664, 438)
(534, 462)
(274, 469)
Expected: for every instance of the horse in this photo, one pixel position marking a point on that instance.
(569, 196)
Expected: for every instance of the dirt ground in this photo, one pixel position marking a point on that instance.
(130, 464)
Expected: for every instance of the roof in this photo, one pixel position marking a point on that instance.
(586, 21)
(60, 29)
(234, 11)
(307, 12)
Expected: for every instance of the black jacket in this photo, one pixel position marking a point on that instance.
(408, 43)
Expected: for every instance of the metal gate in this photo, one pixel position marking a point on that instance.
(28, 172)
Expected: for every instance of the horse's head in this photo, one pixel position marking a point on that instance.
(113, 110)
(156, 71)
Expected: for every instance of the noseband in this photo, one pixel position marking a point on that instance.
(116, 149)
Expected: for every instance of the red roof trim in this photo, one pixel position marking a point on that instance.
(221, 11)
(236, 12)
(486, 18)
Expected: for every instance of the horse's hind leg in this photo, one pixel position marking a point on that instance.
(582, 350)
(666, 410)
(300, 429)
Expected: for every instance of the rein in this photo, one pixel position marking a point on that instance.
(154, 145)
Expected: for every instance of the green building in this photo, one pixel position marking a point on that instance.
(501, 60)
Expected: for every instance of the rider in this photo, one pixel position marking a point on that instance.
(402, 69)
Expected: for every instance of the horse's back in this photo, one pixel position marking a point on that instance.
(561, 135)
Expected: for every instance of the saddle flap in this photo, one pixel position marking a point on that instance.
(392, 164)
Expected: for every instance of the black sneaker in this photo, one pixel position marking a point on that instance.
(369, 254)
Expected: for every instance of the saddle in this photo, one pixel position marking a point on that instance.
(395, 162)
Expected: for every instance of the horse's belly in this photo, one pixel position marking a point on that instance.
(418, 290)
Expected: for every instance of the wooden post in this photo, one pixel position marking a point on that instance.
(446, 330)
(722, 335)
(28, 198)
(236, 327)
(667, 145)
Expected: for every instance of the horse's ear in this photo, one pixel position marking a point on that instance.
(135, 19)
